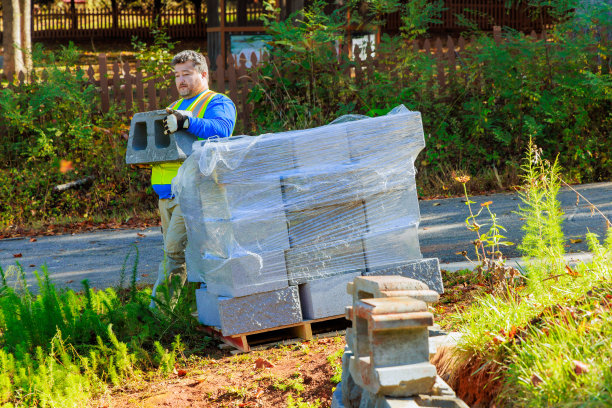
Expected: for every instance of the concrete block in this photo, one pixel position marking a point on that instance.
(337, 398)
(325, 259)
(326, 224)
(424, 270)
(393, 138)
(241, 158)
(193, 264)
(259, 311)
(321, 146)
(147, 142)
(392, 246)
(392, 209)
(326, 297)
(262, 232)
(244, 275)
(340, 184)
(208, 308)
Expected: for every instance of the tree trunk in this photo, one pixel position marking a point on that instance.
(74, 15)
(26, 33)
(11, 40)
(115, 11)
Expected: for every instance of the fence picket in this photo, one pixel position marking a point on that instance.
(104, 100)
(116, 82)
(440, 64)
(128, 88)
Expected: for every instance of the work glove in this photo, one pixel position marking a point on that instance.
(175, 121)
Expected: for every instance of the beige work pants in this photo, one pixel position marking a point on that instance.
(172, 267)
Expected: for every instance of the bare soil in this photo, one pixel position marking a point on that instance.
(264, 378)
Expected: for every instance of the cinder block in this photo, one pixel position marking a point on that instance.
(392, 246)
(326, 297)
(262, 232)
(326, 224)
(244, 275)
(208, 308)
(259, 311)
(321, 146)
(240, 200)
(323, 260)
(240, 158)
(424, 270)
(398, 138)
(147, 142)
(392, 209)
(193, 264)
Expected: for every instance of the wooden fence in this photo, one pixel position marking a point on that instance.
(57, 24)
(102, 23)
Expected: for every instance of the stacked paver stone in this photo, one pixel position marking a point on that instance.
(386, 360)
(278, 224)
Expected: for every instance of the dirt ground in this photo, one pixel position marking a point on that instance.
(265, 378)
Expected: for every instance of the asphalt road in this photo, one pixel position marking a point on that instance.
(101, 256)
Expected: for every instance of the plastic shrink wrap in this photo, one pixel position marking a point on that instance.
(301, 208)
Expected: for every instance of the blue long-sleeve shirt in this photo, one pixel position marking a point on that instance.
(219, 120)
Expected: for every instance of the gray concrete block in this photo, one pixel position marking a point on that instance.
(262, 232)
(193, 264)
(326, 297)
(396, 138)
(259, 311)
(392, 209)
(244, 275)
(240, 158)
(326, 224)
(323, 260)
(147, 142)
(240, 200)
(208, 308)
(337, 398)
(392, 246)
(321, 146)
(424, 270)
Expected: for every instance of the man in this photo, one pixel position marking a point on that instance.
(213, 115)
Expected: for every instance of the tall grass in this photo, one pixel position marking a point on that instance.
(59, 348)
(551, 339)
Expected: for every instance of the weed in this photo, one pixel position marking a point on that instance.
(295, 384)
(299, 403)
(335, 361)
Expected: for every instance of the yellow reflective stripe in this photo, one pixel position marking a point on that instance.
(202, 109)
(196, 101)
(176, 104)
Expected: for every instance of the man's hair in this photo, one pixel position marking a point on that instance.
(198, 60)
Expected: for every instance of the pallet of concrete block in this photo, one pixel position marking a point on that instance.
(278, 224)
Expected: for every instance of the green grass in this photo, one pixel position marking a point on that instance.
(60, 348)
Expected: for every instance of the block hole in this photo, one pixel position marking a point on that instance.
(161, 140)
(139, 140)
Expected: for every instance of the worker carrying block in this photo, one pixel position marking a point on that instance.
(164, 139)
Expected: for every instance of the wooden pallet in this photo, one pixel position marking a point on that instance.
(305, 330)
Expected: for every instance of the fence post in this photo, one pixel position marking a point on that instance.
(104, 97)
(497, 34)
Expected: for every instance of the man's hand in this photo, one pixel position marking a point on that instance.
(175, 121)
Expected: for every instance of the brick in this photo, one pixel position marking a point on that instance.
(326, 297)
(393, 137)
(208, 308)
(322, 260)
(392, 209)
(424, 270)
(259, 311)
(244, 275)
(392, 246)
(326, 224)
(148, 144)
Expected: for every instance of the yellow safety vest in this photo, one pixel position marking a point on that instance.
(163, 173)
